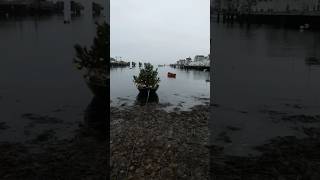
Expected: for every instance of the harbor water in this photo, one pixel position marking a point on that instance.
(38, 77)
(189, 88)
(266, 101)
(262, 67)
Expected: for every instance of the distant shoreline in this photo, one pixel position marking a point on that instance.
(297, 20)
(21, 8)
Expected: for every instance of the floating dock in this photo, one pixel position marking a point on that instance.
(191, 67)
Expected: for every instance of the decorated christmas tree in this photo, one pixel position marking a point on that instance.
(147, 78)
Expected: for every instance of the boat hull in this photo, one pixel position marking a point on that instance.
(171, 75)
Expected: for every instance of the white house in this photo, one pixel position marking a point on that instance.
(199, 58)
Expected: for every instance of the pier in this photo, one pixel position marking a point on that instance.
(190, 67)
(10, 8)
(22, 7)
(285, 13)
(284, 19)
(200, 62)
(119, 64)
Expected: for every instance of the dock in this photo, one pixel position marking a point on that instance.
(282, 13)
(199, 62)
(191, 67)
(119, 64)
(283, 19)
(31, 7)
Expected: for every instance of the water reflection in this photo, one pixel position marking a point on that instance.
(265, 119)
(185, 88)
(95, 119)
(143, 99)
(44, 101)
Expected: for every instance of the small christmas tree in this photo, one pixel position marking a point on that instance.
(148, 78)
(94, 61)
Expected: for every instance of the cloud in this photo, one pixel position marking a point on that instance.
(160, 31)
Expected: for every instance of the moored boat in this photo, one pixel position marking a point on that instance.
(171, 75)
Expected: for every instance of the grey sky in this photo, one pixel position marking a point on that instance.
(159, 31)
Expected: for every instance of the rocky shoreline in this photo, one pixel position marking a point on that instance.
(147, 142)
(289, 150)
(49, 157)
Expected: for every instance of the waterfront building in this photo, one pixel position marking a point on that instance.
(112, 60)
(286, 6)
(266, 5)
(20, 7)
(181, 62)
(200, 61)
(188, 60)
(199, 58)
(230, 5)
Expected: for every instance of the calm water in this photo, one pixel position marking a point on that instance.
(265, 64)
(189, 88)
(37, 75)
(257, 69)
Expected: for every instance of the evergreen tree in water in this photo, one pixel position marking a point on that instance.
(148, 78)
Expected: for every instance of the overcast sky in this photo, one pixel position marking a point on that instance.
(159, 31)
